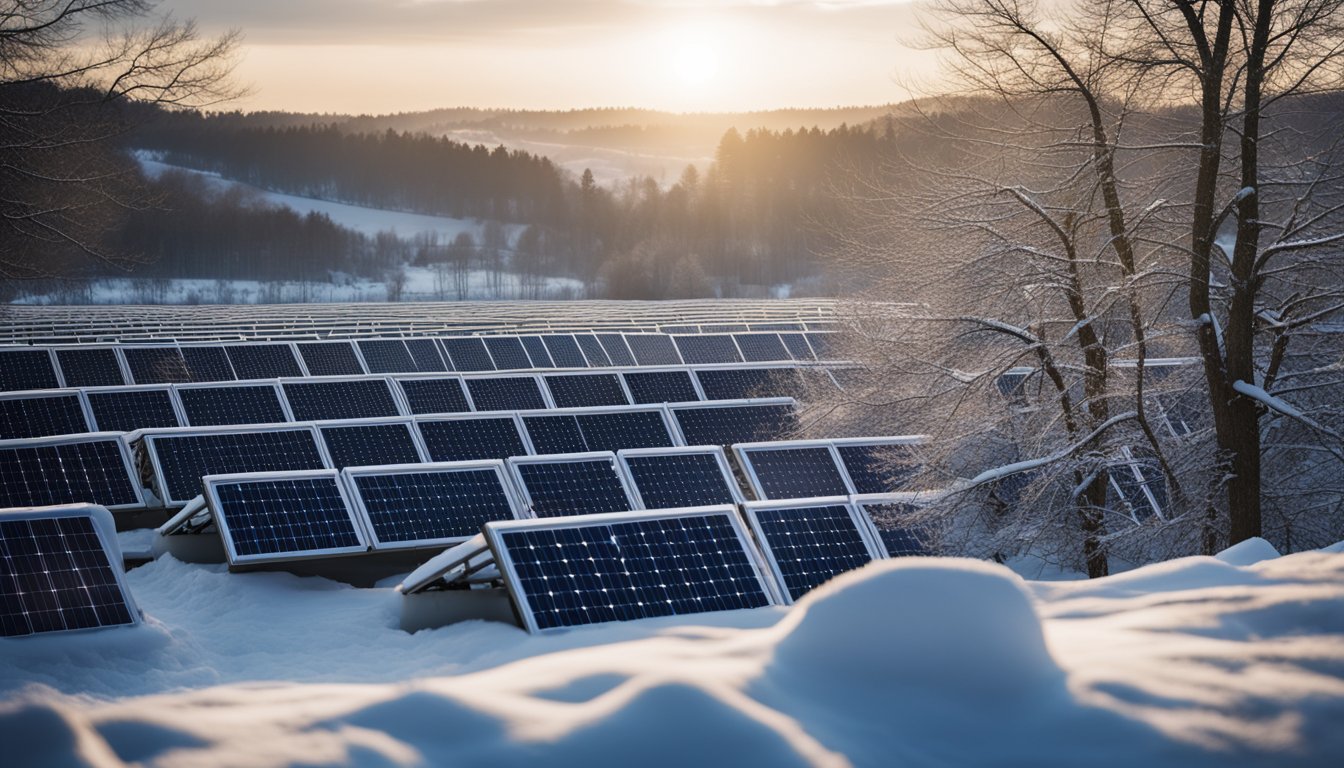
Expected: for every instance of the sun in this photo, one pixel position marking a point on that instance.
(693, 64)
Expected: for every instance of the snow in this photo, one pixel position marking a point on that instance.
(1233, 660)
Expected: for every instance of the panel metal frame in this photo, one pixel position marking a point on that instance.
(862, 525)
(211, 483)
(123, 448)
(720, 458)
(149, 437)
(566, 458)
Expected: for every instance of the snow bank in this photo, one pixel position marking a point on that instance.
(1248, 552)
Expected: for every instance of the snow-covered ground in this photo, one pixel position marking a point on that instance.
(1236, 660)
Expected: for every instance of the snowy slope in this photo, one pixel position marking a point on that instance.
(1200, 661)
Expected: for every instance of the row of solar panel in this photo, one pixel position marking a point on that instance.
(127, 409)
(98, 468)
(30, 368)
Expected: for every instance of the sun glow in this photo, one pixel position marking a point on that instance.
(694, 64)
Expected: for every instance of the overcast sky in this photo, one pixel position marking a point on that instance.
(377, 56)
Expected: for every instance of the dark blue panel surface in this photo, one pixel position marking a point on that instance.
(469, 439)
(746, 383)
(444, 395)
(208, 364)
(565, 351)
(564, 488)
(812, 544)
(653, 349)
(365, 445)
(354, 399)
(703, 349)
(185, 459)
(415, 506)
(89, 367)
(762, 347)
(56, 576)
(263, 361)
(661, 387)
(468, 353)
(386, 356)
(238, 404)
(427, 355)
(536, 352)
(742, 424)
(129, 410)
(592, 350)
(679, 480)
(797, 473)
(614, 345)
(90, 472)
(506, 393)
(292, 516)
(878, 468)
(555, 434)
(41, 416)
(26, 369)
(587, 390)
(156, 365)
(798, 347)
(330, 358)
(508, 353)
(898, 537)
(625, 429)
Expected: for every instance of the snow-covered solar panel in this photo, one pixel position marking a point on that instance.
(822, 344)
(889, 519)
(340, 399)
(572, 484)
(762, 347)
(665, 478)
(469, 439)
(798, 347)
(467, 353)
(93, 367)
(277, 516)
(131, 408)
(434, 395)
(661, 386)
(506, 393)
(263, 361)
(432, 504)
(386, 356)
(878, 465)
(728, 424)
(60, 570)
(89, 469)
(598, 431)
(1139, 485)
(364, 445)
(180, 458)
(592, 350)
(536, 352)
(586, 390)
(330, 358)
(156, 365)
(40, 414)
(707, 349)
(564, 351)
(808, 543)
(508, 353)
(614, 345)
(653, 349)
(208, 364)
(220, 405)
(792, 471)
(622, 567)
(745, 383)
(23, 369)
(427, 355)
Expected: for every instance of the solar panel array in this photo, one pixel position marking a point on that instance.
(180, 458)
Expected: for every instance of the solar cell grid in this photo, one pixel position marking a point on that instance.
(809, 545)
(22, 369)
(565, 351)
(183, 458)
(126, 410)
(670, 480)
(793, 472)
(822, 345)
(330, 358)
(624, 429)
(96, 367)
(653, 349)
(426, 354)
(762, 347)
(207, 364)
(263, 361)
(156, 365)
(559, 487)
(661, 386)
(890, 521)
(468, 353)
(536, 352)
(726, 425)
(348, 399)
(798, 347)
(232, 404)
(614, 345)
(471, 439)
(555, 433)
(87, 470)
(386, 356)
(877, 467)
(433, 505)
(363, 445)
(586, 390)
(746, 383)
(281, 518)
(42, 415)
(508, 353)
(438, 395)
(592, 350)
(505, 393)
(56, 575)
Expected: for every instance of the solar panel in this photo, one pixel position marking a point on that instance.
(90, 469)
(386, 356)
(437, 395)
(726, 424)
(505, 393)
(60, 570)
(508, 353)
(427, 355)
(208, 364)
(344, 399)
(156, 365)
(432, 504)
(585, 390)
(601, 431)
(22, 369)
(263, 361)
(571, 572)
(889, 519)
(555, 434)
(1138, 481)
(572, 484)
(681, 477)
(808, 544)
(745, 383)
(761, 347)
(653, 349)
(364, 445)
(723, 328)
(1012, 384)
(661, 386)
(565, 351)
(40, 415)
(592, 350)
(707, 349)
(468, 353)
(330, 358)
(536, 352)
(877, 466)
(792, 471)
(821, 344)
(96, 367)
(467, 439)
(798, 347)
(221, 405)
(181, 458)
(614, 345)
(129, 409)
(283, 516)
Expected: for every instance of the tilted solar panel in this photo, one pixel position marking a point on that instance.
(208, 364)
(592, 350)
(181, 459)
(263, 361)
(215, 406)
(653, 349)
(590, 570)
(614, 345)
(363, 445)
(688, 477)
(468, 353)
(386, 356)
(707, 349)
(585, 390)
(427, 355)
(438, 395)
(877, 467)
(60, 570)
(793, 472)
(555, 433)
(602, 431)
(895, 533)
(576, 484)
(661, 386)
(346, 399)
(432, 504)
(565, 351)
(822, 344)
(723, 328)
(330, 358)
(1138, 481)
(508, 353)
(283, 516)
(505, 393)
(798, 347)
(96, 367)
(40, 415)
(23, 369)
(745, 383)
(726, 425)
(762, 347)
(90, 469)
(471, 439)
(811, 543)
(536, 352)
(126, 410)
(156, 365)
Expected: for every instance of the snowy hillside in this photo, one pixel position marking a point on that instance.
(1237, 660)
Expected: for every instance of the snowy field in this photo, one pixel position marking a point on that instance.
(1236, 660)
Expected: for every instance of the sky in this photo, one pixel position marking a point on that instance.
(379, 56)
